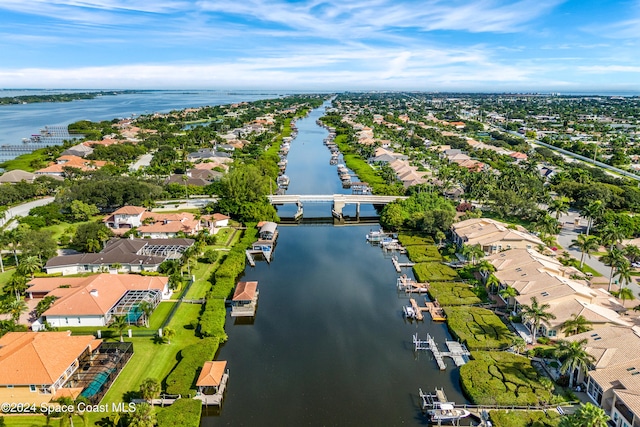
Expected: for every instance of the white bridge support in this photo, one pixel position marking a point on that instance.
(339, 201)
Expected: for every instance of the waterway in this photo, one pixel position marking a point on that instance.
(22, 120)
(329, 345)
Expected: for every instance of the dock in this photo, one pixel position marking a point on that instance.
(408, 285)
(216, 398)
(399, 265)
(249, 254)
(458, 352)
(436, 312)
(415, 309)
(432, 400)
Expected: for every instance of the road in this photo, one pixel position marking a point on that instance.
(570, 232)
(22, 210)
(143, 161)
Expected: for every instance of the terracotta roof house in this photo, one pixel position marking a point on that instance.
(68, 161)
(166, 226)
(613, 381)
(126, 217)
(36, 366)
(216, 220)
(130, 255)
(245, 299)
(493, 236)
(213, 377)
(95, 300)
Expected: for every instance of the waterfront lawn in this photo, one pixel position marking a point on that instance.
(478, 328)
(524, 418)
(151, 360)
(202, 285)
(415, 239)
(434, 272)
(453, 293)
(423, 253)
(502, 378)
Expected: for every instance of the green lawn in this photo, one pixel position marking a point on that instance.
(202, 285)
(4, 279)
(152, 360)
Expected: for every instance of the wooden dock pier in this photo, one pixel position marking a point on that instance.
(403, 283)
(416, 310)
(436, 312)
(399, 265)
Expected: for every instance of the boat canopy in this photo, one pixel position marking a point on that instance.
(446, 406)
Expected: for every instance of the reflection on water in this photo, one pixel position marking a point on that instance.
(329, 344)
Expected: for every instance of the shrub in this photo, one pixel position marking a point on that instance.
(452, 293)
(183, 412)
(433, 271)
(524, 418)
(181, 380)
(415, 239)
(501, 378)
(478, 328)
(423, 253)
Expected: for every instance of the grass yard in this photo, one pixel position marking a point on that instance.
(423, 253)
(502, 378)
(202, 285)
(478, 328)
(4, 278)
(453, 293)
(151, 360)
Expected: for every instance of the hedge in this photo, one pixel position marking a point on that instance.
(181, 380)
(453, 293)
(414, 239)
(183, 412)
(213, 319)
(502, 378)
(478, 328)
(423, 253)
(433, 271)
(524, 418)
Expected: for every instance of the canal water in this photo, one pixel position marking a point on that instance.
(329, 345)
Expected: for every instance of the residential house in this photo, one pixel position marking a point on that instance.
(95, 300)
(121, 255)
(63, 162)
(35, 367)
(216, 220)
(126, 217)
(493, 236)
(15, 176)
(80, 150)
(613, 382)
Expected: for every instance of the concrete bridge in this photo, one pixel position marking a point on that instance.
(338, 200)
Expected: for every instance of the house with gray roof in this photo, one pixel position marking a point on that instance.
(121, 255)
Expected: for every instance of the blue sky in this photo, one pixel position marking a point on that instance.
(486, 45)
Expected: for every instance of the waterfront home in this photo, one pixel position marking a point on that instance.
(121, 255)
(493, 236)
(245, 299)
(35, 367)
(95, 300)
(126, 217)
(613, 381)
(62, 163)
(216, 220)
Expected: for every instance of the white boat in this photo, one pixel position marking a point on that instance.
(375, 236)
(283, 181)
(448, 412)
(409, 312)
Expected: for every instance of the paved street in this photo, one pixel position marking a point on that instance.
(23, 210)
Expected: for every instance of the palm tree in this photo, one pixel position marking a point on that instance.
(632, 252)
(93, 245)
(624, 294)
(492, 282)
(519, 344)
(611, 235)
(16, 284)
(577, 324)
(150, 389)
(120, 323)
(147, 308)
(143, 416)
(573, 356)
(535, 314)
(472, 251)
(589, 415)
(15, 308)
(592, 211)
(168, 333)
(614, 258)
(559, 206)
(586, 244)
(440, 236)
(508, 293)
(623, 273)
(484, 267)
(30, 265)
